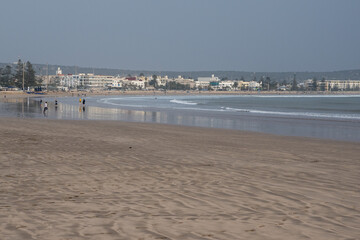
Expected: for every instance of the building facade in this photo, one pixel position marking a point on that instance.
(332, 85)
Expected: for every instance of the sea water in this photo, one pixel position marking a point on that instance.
(314, 106)
(321, 116)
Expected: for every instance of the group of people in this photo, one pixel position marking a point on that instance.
(81, 101)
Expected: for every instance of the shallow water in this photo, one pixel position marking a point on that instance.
(327, 117)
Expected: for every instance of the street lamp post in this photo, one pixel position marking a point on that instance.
(23, 78)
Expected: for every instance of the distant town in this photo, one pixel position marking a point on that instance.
(206, 83)
(24, 78)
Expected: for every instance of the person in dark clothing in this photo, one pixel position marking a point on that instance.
(83, 104)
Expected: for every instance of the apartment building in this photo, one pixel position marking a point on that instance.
(204, 82)
(342, 85)
(185, 81)
(95, 81)
(208, 79)
(333, 85)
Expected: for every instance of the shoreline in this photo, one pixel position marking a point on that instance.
(118, 180)
(285, 125)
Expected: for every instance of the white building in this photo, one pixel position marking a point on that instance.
(204, 82)
(253, 85)
(59, 71)
(138, 83)
(95, 81)
(226, 84)
(69, 81)
(341, 84)
(208, 79)
(118, 82)
(161, 81)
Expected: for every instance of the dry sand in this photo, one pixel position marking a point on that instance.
(115, 180)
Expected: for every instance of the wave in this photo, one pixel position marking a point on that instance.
(264, 112)
(236, 109)
(183, 102)
(301, 96)
(302, 114)
(198, 107)
(109, 101)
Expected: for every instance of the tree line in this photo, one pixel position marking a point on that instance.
(14, 78)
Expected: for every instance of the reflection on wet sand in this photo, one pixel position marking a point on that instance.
(33, 108)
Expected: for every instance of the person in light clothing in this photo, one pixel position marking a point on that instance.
(45, 107)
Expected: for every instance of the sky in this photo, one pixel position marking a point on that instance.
(184, 35)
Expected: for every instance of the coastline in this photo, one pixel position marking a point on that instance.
(158, 109)
(110, 180)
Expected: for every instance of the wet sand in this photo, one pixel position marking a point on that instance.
(18, 94)
(117, 180)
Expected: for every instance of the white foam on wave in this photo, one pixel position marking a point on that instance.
(182, 102)
(301, 96)
(110, 101)
(236, 109)
(303, 114)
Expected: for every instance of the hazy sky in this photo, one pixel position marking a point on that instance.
(184, 35)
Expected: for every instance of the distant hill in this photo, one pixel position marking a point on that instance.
(278, 76)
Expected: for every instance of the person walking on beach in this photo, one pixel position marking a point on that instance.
(45, 107)
(83, 102)
(80, 101)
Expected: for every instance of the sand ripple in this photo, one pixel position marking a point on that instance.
(110, 180)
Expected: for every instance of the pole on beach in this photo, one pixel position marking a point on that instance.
(23, 77)
(47, 76)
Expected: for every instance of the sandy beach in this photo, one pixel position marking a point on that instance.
(116, 180)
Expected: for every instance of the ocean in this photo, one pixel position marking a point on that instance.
(335, 117)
